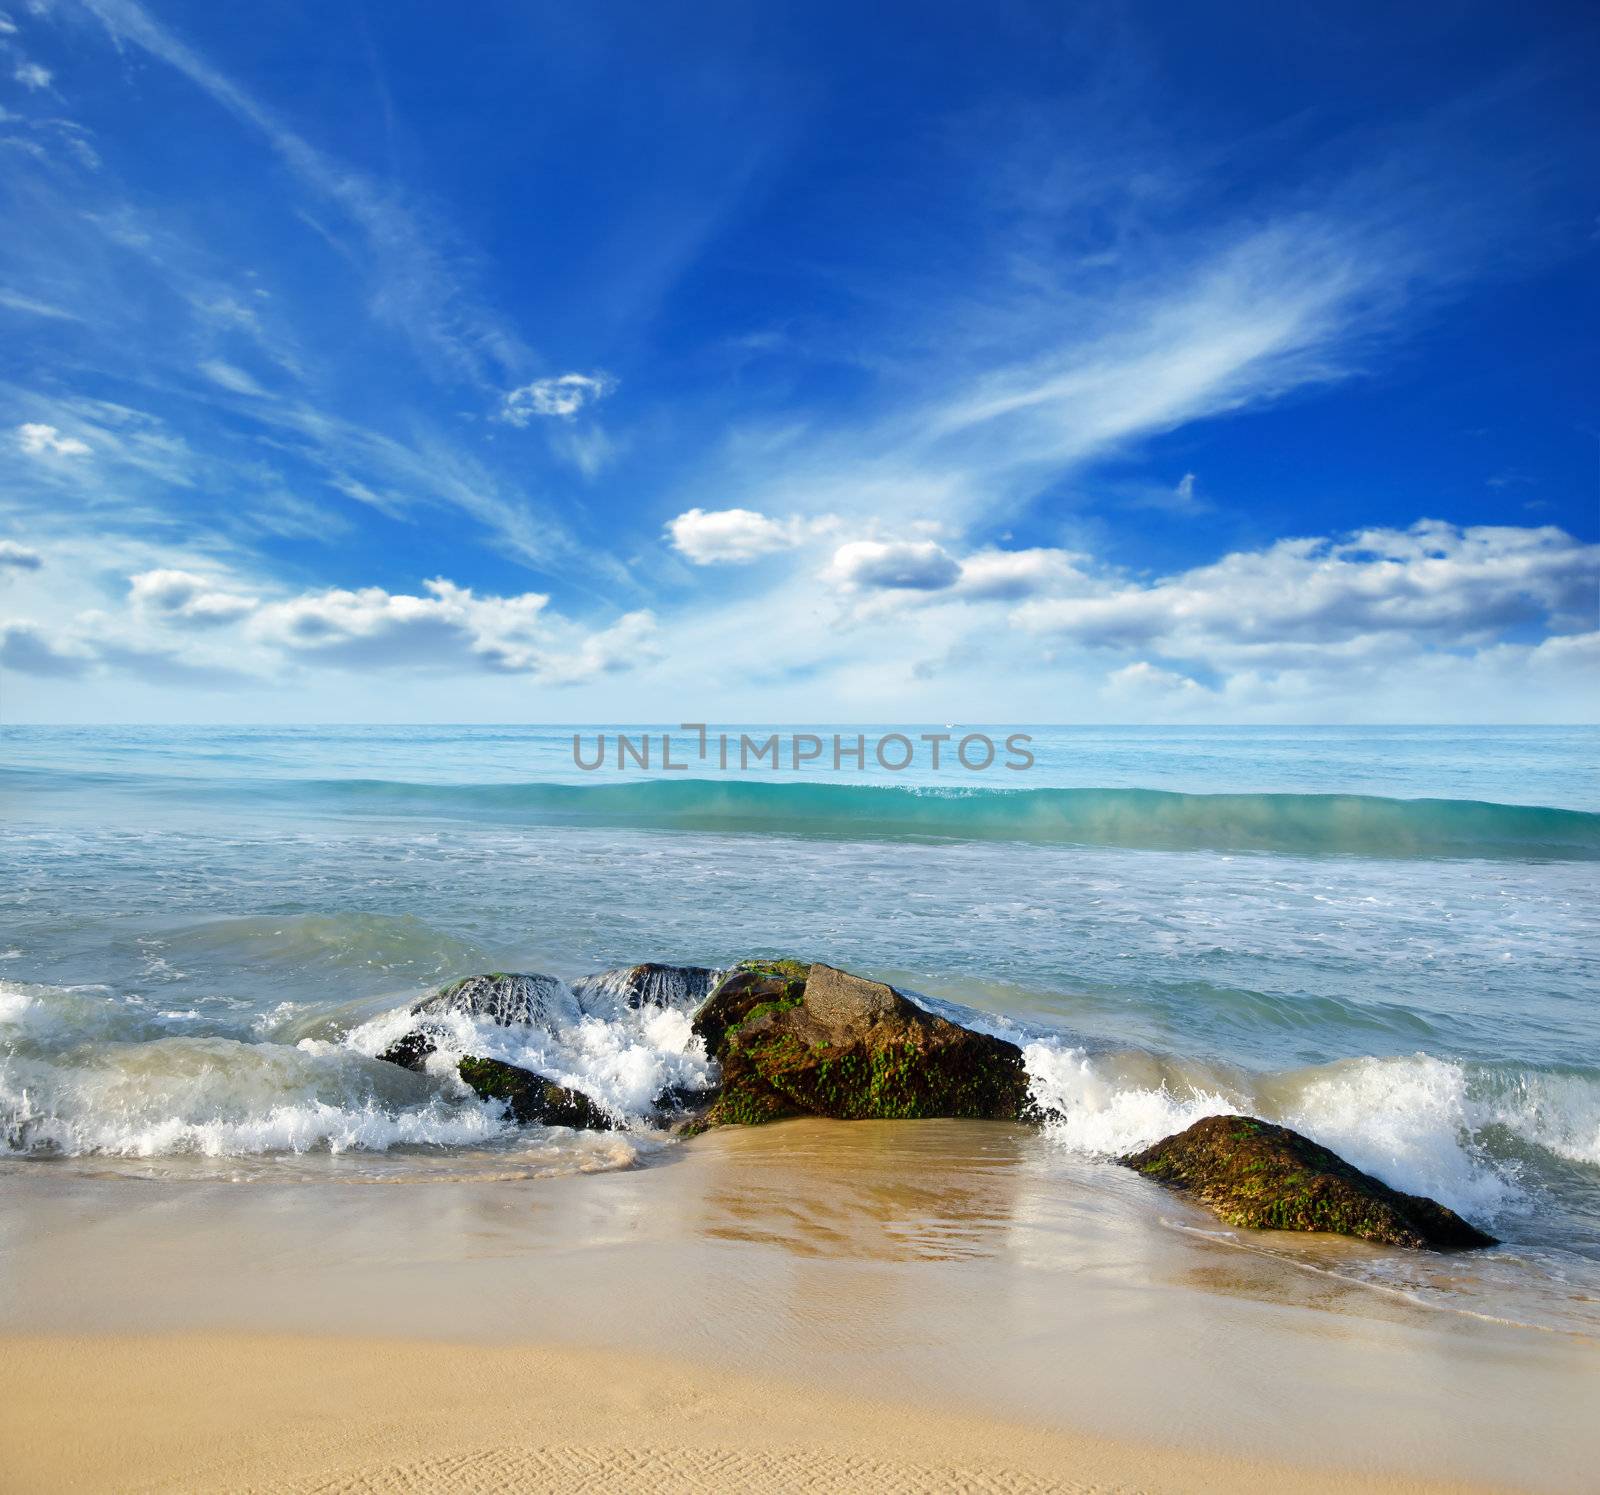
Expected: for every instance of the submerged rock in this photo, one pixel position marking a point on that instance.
(509, 999)
(1251, 1173)
(528, 1097)
(797, 1040)
(411, 1052)
(531, 1097)
(633, 988)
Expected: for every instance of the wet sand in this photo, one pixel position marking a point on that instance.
(872, 1305)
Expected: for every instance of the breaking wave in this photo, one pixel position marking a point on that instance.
(1143, 819)
(1464, 1134)
(86, 1072)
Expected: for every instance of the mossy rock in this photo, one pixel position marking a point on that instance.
(815, 1041)
(749, 985)
(530, 1097)
(1252, 1174)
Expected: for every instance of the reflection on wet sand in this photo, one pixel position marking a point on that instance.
(966, 1264)
(937, 1191)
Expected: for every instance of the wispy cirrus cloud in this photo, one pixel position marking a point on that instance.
(417, 286)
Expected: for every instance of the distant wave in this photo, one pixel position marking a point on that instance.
(1146, 819)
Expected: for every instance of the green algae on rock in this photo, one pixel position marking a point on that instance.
(527, 1096)
(1253, 1174)
(531, 1097)
(814, 1041)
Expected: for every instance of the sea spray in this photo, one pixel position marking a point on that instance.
(1419, 1123)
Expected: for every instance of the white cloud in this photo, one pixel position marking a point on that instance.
(1010, 575)
(892, 565)
(183, 597)
(39, 440)
(31, 75)
(1433, 584)
(730, 536)
(563, 397)
(28, 649)
(188, 628)
(450, 627)
(12, 301)
(626, 644)
(1143, 680)
(19, 557)
(229, 377)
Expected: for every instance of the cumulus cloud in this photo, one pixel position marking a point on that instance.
(711, 537)
(39, 440)
(1143, 680)
(31, 75)
(1433, 584)
(19, 557)
(184, 628)
(450, 627)
(892, 565)
(28, 649)
(626, 644)
(562, 397)
(1010, 575)
(183, 597)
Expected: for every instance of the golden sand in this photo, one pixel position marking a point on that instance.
(805, 1306)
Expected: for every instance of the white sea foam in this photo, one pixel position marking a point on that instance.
(1104, 1108)
(623, 1063)
(1416, 1122)
(84, 1070)
(1409, 1121)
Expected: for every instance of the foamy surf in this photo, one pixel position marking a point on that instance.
(85, 1072)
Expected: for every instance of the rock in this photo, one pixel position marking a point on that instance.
(633, 988)
(683, 1109)
(528, 1096)
(814, 1041)
(751, 983)
(1251, 1173)
(410, 1052)
(510, 1000)
(531, 1097)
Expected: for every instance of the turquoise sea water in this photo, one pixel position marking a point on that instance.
(1385, 937)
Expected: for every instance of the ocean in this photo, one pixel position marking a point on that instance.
(1384, 937)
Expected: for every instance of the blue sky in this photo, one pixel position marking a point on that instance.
(780, 362)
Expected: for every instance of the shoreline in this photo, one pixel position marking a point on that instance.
(856, 1289)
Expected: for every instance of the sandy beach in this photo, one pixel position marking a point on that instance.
(808, 1305)
(247, 1412)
